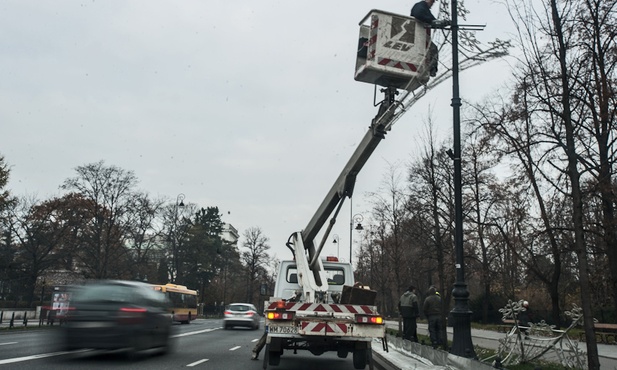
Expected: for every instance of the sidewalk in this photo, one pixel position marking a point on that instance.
(490, 340)
(18, 322)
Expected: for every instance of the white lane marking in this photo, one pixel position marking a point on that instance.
(194, 332)
(254, 340)
(197, 362)
(43, 355)
(234, 348)
(33, 357)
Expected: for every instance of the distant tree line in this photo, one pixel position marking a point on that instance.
(102, 227)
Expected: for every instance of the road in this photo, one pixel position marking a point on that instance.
(201, 345)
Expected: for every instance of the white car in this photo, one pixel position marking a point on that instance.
(241, 314)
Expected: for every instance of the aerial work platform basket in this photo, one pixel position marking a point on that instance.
(392, 51)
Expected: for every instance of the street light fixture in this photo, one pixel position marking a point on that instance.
(359, 226)
(338, 244)
(180, 200)
(358, 218)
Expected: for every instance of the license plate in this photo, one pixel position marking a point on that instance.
(283, 329)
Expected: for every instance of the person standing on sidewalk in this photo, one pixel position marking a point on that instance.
(432, 311)
(408, 307)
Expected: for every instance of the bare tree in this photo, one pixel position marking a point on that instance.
(597, 33)
(373, 267)
(551, 71)
(431, 204)
(176, 225)
(102, 251)
(482, 202)
(254, 257)
(389, 209)
(143, 233)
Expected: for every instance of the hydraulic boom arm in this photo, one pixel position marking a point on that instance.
(344, 185)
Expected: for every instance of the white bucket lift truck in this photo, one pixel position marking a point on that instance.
(316, 306)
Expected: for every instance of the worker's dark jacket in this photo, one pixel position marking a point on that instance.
(432, 305)
(408, 305)
(422, 12)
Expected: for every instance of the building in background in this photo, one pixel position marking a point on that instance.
(230, 234)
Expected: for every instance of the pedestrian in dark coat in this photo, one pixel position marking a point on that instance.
(432, 311)
(409, 309)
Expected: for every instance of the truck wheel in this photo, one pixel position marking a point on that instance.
(342, 353)
(359, 358)
(274, 358)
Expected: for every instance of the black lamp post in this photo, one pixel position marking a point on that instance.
(462, 344)
(338, 244)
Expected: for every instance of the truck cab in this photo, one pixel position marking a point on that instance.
(338, 274)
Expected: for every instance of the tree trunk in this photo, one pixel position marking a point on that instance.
(577, 199)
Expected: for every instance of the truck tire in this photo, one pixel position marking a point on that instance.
(271, 357)
(274, 358)
(359, 358)
(342, 353)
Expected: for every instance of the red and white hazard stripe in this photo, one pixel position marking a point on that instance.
(309, 327)
(396, 64)
(372, 41)
(323, 307)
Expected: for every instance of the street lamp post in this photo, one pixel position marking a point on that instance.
(357, 218)
(338, 244)
(175, 235)
(462, 344)
(180, 200)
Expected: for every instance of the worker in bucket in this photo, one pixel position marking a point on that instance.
(422, 12)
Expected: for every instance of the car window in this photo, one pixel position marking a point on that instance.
(107, 292)
(335, 275)
(240, 307)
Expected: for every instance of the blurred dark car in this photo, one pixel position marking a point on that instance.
(241, 314)
(116, 314)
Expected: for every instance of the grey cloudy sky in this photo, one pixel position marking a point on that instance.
(248, 105)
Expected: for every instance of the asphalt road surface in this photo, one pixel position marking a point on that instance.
(201, 345)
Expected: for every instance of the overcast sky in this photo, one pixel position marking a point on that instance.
(248, 105)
